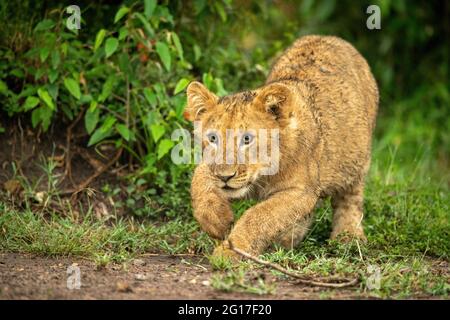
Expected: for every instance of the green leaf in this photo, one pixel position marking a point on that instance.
(157, 131)
(150, 96)
(199, 5)
(109, 122)
(197, 52)
(146, 24)
(91, 119)
(53, 90)
(164, 147)
(93, 106)
(64, 48)
(149, 118)
(43, 94)
(17, 73)
(46, 117)
(44, 53)
(86, 98)
(121, 13)
(324, 10)
(107, 89)
(164, 54)
(149, 8)
(208, 80)
(124, 131)
(40, 73)
(52, 75)
(27, 91)
(56, 59)
(67, 111)
(123, 33)
(44, 25)
(42, 115)
(179, 102)
(124, 64)
(73, 87)
(30, 103)
(98, 136)
(103, 132)
(99, 39)
(178, 46)
(220, 89)
(35, 117)
(3, 87)
(220, 9)
(181, 85)
(111, 46)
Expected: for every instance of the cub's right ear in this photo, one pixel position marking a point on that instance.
(276, 98)
(199, 99)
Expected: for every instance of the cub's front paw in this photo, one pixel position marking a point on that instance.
(224, 253)
(216, 224)
(348, 235)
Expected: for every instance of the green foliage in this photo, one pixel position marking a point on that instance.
(125, 79)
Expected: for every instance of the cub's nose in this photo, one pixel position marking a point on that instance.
(225, 178)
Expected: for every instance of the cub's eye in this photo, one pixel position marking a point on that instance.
(247, 139)
(212, 137)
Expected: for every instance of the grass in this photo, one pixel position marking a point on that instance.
(406, 222)
(237, 280)
(92, 238)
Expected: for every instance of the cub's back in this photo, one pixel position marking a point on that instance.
(346, 99)
(334, 66)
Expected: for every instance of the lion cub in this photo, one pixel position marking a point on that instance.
(321, 100)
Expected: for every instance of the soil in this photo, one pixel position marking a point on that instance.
(29, 149)
(24, 276)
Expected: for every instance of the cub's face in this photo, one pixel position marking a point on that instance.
(239, 134)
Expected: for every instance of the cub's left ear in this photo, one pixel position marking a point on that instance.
(199, 100)
(276, 99)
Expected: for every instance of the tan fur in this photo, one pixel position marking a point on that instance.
(322, 97)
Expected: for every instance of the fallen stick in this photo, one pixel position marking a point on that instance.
(68, 154)
(301, 279)
(97, 173)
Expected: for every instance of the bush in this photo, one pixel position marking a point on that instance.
(125, 81)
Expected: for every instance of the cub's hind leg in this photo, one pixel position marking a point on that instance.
(294, 234)
(348, 213)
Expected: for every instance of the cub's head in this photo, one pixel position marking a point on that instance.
(243, 135)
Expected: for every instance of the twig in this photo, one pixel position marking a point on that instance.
(303, 280)
(119, 98)
(97, 173)
(68, 154)
(194, 264)
(117, 115)
(127, 122)
(96, 164)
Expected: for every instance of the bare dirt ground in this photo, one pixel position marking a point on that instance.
(24, 276)
(76, 166)
(29, 150)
